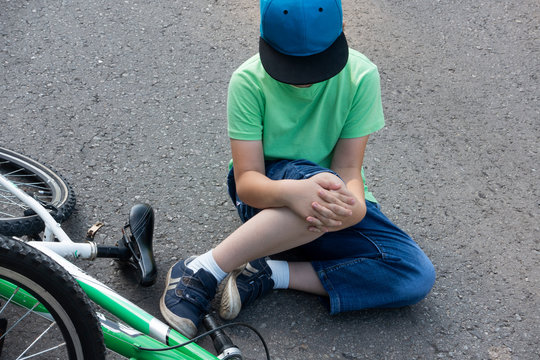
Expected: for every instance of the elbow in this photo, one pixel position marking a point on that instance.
(251, 197)
(359, 212)
(244, 196)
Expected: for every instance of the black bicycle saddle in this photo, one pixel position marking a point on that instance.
(137, 238)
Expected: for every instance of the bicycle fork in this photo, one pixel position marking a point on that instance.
(222, 343)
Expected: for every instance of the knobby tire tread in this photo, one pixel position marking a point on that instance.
(36, 266)
(31, 225)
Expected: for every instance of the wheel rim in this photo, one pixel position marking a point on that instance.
(39, 332)
(32, 180)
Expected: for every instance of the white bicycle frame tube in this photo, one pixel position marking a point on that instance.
(64, 247)
(117, 305)
(156, 328)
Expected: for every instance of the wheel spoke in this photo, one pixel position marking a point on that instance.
(52, 324)
(8, 301)
(7, 215)
(36, 340)
(13, 172)
(11, 202)
(30, 311)
(44, 351)
(39, 185)
(10, 205)
(32, 185)
(39, 182)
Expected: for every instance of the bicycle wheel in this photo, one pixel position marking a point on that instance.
(40, 182)
(60, 323)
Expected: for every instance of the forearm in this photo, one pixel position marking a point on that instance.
(252, 185)
(258, 191)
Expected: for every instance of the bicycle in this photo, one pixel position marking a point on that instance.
(81, 316)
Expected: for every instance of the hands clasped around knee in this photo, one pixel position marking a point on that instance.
(322, 200)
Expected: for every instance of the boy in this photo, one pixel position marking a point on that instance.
(300, 113)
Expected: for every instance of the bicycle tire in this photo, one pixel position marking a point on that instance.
(39, 181)
(58, 292)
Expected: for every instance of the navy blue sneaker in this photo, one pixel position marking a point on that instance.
(243, 286)
(187, 297)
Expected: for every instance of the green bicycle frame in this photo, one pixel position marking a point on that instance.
(144, 331)
(122, 339)
(138, 329)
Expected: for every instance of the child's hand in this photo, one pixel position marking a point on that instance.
(323, 200)
(335, 205)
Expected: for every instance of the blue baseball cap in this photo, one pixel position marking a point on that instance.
(302, 41)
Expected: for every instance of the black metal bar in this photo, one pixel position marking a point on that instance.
(113, 252)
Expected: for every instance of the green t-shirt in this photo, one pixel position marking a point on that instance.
(305, 123)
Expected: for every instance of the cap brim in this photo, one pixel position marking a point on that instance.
(302, 70)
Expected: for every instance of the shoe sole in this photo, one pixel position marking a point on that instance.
(184, 326)
(230, 304)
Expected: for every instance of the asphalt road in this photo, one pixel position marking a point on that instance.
(127, 99)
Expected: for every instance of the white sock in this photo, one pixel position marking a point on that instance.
(206, 261)
(280, 273)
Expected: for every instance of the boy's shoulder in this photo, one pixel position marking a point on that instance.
(360, 61)
(251, 65)
(251, 77)
(359, 68)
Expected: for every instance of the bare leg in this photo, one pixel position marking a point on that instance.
(303, 277)
(269, 232)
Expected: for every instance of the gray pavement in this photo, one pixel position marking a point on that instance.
(127, 99)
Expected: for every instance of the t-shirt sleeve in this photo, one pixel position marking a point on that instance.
(366, 113)
(245, 108)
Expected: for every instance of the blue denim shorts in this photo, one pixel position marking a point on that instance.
(373, 264)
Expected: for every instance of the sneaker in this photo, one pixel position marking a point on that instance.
(243, 286)
(187, 297)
